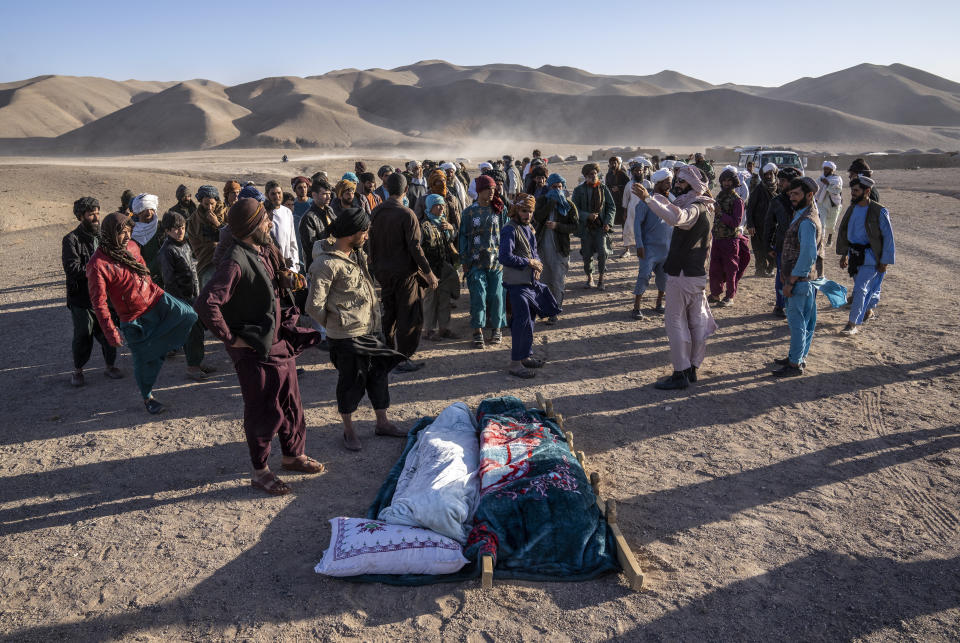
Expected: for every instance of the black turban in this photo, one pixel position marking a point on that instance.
(859, 166)
(350, 222)
(182, 191)
(207, 191)
(496, 175)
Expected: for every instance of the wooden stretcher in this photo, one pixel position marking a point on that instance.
(631, 568)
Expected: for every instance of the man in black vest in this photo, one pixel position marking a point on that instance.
(779, 216)
(240, 305)
(687, 317)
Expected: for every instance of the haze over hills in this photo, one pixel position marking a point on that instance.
(434, 102)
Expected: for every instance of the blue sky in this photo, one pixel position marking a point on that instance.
(753, 43)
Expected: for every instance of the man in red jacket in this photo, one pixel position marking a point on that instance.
(152, 322)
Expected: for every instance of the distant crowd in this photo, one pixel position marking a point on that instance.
(367, 265)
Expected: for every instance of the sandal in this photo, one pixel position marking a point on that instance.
(153, 406)
(271, 484)
(523, 373)
(304, 466)
(532, 362)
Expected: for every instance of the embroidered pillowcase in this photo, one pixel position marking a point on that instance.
(360, 546)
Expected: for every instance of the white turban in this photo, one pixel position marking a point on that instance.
(143, 202)
(485, 166)
(644, 161)
(661, 174)
(666, 164)
(831, 165)
(679, 164)
(770, 167)
(731, 168)
(448, 166)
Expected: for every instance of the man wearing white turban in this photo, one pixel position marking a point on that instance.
(829, 198)
(687, 317)
(146, 233)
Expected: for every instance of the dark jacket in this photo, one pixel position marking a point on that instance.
(179, 270)
(607, 207)
(414, 194)
(435, 247)
(313, 227)
(757, 205)
(395, 243)
(78, 246)
(566, 225)
(779, 216)
(185, 211)
(616, 182)
(251, 313)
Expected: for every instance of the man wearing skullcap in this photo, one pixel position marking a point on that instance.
(152, 322)
(342, 297)
(729, 253)
(203, 230)
(77, 248)
(760, 197)
(529, 297)
(859, 167)
(231, 192)
(185, 206)
(829, 198)
(146, 232)
(479, 245)
(596, 207)
(687, 318)
(779, 216)
(652, 237)
(438, 237)
(240, 305)
(399, 265)
(555, 218)
(802, 263)
(866, 248)
(301, 202)
(283, 232)
(616, 182)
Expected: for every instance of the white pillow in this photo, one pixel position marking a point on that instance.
(360, 546)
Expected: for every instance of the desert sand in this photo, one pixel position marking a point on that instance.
(819, 508)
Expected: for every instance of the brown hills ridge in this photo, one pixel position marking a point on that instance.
(433, 102)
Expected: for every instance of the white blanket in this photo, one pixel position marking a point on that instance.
(439, 484)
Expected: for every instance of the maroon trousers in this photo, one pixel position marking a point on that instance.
(271, 405)
(729, 259)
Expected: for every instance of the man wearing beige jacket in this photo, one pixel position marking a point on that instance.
(343, 300)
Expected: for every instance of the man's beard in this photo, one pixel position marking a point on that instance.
(678, 192)
(262, 238)
(186, 202)
(800, 205)
(863, 199)
(92, 228)
(356, 245)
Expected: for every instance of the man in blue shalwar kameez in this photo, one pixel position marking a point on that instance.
(866, 247)
(652, 236)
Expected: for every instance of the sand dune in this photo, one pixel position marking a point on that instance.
(895, 94)
(53, 105)
(433, 100)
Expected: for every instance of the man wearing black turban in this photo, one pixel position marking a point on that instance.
(185, 206)
(240, 305)
(343, 299)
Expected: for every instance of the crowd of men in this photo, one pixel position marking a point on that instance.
(367, 265)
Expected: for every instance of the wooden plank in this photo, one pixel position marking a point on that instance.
(583, 459)
(542, 403)
(549, 409)
(595, 483)
(631, 568)
(569, 435)
(486, 566)
(559, 421)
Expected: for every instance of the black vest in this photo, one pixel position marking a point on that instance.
(688, 248)
(251, 313)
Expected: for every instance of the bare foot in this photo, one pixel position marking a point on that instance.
(351, 442)
(390, 429)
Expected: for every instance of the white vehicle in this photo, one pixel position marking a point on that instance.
(761, 156)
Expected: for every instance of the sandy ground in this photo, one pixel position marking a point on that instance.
(818, 508)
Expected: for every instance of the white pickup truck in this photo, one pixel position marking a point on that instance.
(761, 156)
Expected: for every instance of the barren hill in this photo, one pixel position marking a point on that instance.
(868, 106)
